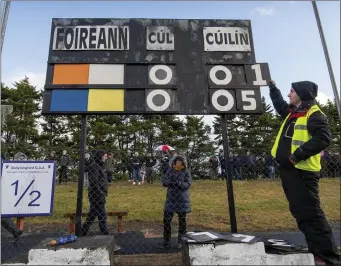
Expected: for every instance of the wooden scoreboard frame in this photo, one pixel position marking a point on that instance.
(148, 66)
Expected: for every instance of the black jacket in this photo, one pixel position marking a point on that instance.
(150, 161)
(98, 182)
(317, 124)
(136, 162)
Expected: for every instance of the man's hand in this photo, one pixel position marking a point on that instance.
(292, 159)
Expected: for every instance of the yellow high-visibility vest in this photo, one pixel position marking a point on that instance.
(301, 136)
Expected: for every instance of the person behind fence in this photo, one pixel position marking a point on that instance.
(165, 163)
(222, 164)
(302, 136)
(173, 156)
(178, 181)
(97, 193)
(64, 162)
(129, 164)
(109, 167)
(51, 157)
(86, 169)
(213, 167)
(137, 163)
(150, 163)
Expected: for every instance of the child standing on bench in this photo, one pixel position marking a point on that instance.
(97, 193)
(178, 181)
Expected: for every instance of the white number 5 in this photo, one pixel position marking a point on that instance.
(259, 78)
(251, 100)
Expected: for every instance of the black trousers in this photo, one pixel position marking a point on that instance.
(10, 226)
(301, 190)
(167, 228)
(96, 210)
(62, 174)
(150, 175)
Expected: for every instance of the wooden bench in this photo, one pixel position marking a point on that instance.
(119, 215)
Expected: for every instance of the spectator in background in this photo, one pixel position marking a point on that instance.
(86, 170)
(173, 156)
(130, 166)
(137, 163)
(20, 156)
(178, 181)
(213, 167)
(236, 166)
(109, 167)
(270, 167)
(222, 164)
(64, 162)
(249, 169)
(98, 191)
(165, 163)
(51, 157)
(150, 163)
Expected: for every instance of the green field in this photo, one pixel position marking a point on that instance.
(260, 204)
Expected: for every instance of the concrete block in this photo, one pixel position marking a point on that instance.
(239, 254)
(96, 250)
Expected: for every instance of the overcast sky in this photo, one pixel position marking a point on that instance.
(285, 34)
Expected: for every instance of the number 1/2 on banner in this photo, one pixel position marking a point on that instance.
(27, 188)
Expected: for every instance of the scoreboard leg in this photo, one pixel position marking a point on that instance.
(80, 189)
(228, 171)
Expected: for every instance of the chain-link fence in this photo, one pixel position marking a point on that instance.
(148, 198)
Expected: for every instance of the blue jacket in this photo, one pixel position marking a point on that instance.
(178, 184)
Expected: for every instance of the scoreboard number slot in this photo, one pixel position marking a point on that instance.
(226, 94)
(248, 96)
(249, 100)
(158, 108)
(257, 74)
(213, 75)
(161, 75)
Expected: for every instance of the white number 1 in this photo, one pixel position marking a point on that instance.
(251, 100)
(259, 79)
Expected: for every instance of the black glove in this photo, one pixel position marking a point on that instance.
(271, 84)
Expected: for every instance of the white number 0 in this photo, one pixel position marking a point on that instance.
(259, 79)
(251, 100)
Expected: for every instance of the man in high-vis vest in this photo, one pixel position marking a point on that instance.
(303, 135)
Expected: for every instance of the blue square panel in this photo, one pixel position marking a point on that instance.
(69, 100)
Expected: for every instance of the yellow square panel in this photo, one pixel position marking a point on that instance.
(106, 100)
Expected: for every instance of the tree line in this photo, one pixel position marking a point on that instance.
(26, 130)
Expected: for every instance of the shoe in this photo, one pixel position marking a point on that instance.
(134, 184)
(319, 261)
(165, 245)
(139, 183)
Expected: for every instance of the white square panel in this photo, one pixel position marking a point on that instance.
(106, 74)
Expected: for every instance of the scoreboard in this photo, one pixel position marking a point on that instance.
(144, 66)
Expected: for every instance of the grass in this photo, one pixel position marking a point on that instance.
(260, 204)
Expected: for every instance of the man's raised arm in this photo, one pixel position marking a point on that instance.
(281, 106)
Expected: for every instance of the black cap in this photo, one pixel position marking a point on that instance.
(306, 90)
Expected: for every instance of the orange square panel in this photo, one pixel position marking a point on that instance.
(71, 74)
